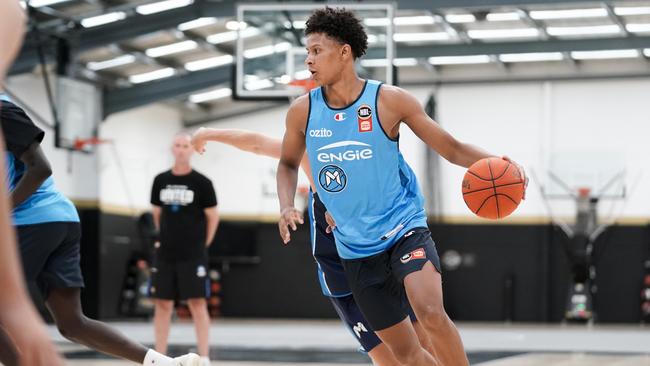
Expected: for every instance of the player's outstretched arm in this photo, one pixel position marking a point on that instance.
(411, 112)
(293, 149)
(250, 141)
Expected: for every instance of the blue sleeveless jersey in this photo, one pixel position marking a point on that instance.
(360, 175)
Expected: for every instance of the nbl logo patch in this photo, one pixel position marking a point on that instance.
(364, 118)
(419, 253)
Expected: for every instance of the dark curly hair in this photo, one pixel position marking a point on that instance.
(341, 25)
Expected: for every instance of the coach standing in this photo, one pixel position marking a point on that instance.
(185, 211)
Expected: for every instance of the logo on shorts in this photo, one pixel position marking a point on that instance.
(332, 179)
(200, 271)
(357, 329)
(416, 254)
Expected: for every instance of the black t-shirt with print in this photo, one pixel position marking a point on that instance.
(182, 199)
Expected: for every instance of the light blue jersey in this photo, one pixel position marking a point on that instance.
(360, 175)
(47, 204)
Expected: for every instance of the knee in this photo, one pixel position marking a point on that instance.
(164, 307)
(72, 327)
(196, 305)
(406, 355)
(433, 317)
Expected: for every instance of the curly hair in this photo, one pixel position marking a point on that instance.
(341, 25)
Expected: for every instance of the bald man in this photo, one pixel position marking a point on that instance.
(185, 212)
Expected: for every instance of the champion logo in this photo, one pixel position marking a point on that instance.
(339, 117)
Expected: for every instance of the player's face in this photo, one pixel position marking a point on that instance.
(324, 58)
(182, 149)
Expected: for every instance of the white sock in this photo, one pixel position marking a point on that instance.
(154, 358)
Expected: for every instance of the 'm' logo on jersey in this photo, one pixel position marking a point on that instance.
(332, 179)
(416, 254)
(339, 117)
(323, 132)
(364, 114)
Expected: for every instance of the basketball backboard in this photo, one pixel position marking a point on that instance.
(79, 113)
(270, 49)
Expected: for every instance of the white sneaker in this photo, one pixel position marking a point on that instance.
(205, 361)
(190, 359)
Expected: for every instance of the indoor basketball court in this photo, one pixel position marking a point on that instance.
(170, 126)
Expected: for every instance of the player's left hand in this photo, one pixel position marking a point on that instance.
(522, 171)
(199, 140)
(331, 224)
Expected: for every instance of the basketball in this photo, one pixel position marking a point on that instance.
(493, 188)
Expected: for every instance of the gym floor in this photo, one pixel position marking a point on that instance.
(327, 343)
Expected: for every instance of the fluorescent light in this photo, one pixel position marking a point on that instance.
(232, 35)
(569, 13)
(171, 48)
(297, 24)
(259, 84)
(531, 57)
(460, 18)
(502, 17)
(646, 52)
(419, 37)
(632, 10)
(581, 31)
(600, 55)
(376, 22)
(210, 95)
(503, 33)
(103, 19)
(414, 20)
(114, 62)
(382, 62)
(152, 75)
(638, 28)
(301, 75)
(162, 6)
(459, 60)
(209, 62)
(39, 3)
(235, 25)
(196, 23)
(267, 50)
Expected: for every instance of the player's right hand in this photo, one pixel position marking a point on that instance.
(331, 224)
(199, 140)
(289, 218)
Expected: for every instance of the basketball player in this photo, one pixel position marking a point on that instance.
(350, 129)
(17, 314)
(49, 239)
(331, 276)
(185, 212)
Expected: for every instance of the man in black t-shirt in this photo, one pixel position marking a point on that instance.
(185, 211)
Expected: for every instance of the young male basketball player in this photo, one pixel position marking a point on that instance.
(370, 191)
(331, 276)
(49, 239)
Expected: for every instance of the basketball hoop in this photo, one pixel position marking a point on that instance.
(80, 144)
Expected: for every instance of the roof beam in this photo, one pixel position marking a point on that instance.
(118, 100)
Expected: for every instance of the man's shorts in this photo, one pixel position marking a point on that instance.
(180, 280)
(50, 255)
(378, 281)
(351, 315)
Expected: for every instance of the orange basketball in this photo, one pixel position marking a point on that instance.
(493, 188)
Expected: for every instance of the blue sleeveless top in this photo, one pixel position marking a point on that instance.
(360, 175)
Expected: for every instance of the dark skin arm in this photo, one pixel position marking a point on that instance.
(37, 170)
(293, 149)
